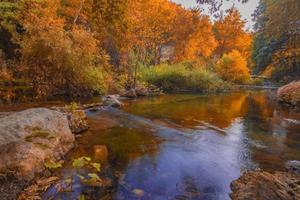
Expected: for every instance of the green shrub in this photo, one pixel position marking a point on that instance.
(181, 76)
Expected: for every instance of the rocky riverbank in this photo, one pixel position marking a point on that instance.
(290, 94)
(269, 186)
(31, 138)
(266, 186)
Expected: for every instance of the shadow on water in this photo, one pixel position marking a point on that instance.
(188, 146)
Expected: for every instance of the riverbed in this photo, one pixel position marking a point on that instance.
(183, 146)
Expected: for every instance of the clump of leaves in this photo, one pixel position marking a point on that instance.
(72, 107)
(92, 179)
(86, 162)
(82, 197)
(50, 164)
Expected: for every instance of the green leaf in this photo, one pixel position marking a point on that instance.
(87, 158)
(94, 176)
(97, 166)
(82, 197)
(53, 165)
(79, 162)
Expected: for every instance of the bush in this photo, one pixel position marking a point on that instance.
(181, 76)
(233, 67)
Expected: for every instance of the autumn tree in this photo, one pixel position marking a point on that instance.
(230, 34)
(233, 67)
(193, 35)
(9, 10)
(150, 26)
(277, 42)
(56, 60)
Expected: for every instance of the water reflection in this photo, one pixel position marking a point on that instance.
(190, 146)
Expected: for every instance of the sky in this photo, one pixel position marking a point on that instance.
(245, 9)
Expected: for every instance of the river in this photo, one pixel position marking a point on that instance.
(185, 146)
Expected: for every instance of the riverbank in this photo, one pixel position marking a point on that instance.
(32, 139)
(266, 186)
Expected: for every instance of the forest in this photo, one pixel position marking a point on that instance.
(79, 48)
(149, 99)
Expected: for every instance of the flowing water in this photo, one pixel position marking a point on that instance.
(185, 146)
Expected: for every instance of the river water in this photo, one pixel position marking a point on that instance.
(185, 146)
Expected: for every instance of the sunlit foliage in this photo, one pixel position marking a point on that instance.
(233, 67)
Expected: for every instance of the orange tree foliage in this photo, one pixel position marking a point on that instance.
(233, 67)
(201, 43)
(154, 24)
(77, 41)
(150, 25)
(230, 34)
(56, 60)
(192, 35)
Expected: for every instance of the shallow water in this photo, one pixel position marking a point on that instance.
(186, 146)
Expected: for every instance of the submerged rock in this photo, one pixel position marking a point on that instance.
(100, 153)
(290, 94)
(138, 192)
(29, 138)
(112, 101)
(266, 186)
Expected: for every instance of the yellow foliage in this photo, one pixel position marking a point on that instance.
(233, 67)
(230, 34)
(200, 41)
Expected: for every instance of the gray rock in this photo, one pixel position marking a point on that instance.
(112, 101)
(31, 137)
(293, 166)
(77, 118)
(130, 93)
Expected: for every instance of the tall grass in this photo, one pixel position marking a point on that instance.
(182, 77)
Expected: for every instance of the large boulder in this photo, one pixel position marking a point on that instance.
(30, 138)
(290, 94)
(266, 186)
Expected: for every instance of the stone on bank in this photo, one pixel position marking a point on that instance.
(30, 137)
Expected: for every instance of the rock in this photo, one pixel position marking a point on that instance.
(290, 94)
(78, 121)
(77, 118)
(266, 186)
(4, 114)
(100, 153)
(91, 106)
(293, 166)
(29, 138)
(142, 91)
(130, 93)
(112, 101)
(138, 192)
